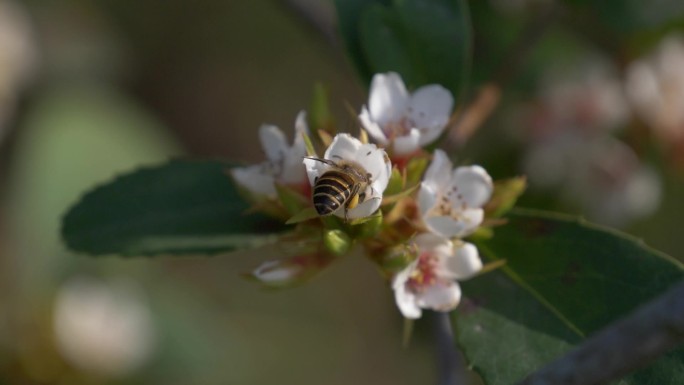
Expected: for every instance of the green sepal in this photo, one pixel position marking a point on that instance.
(302, 216)
(396, 182)
(401, 195)
(292, 201)
(310, 150)
(506, 193)
(415, 169)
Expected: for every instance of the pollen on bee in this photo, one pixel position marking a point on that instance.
(353, 201)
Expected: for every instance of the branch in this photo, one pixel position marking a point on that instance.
(451, 365)
(626, 345)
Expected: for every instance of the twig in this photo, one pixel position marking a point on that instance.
(452, 370)
(623, 347)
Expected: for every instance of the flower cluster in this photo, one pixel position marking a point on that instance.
(410, 210)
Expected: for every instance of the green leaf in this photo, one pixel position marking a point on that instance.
(563, 280)
(426, 41)
(180, 207)
(348, 15)
(628, 16)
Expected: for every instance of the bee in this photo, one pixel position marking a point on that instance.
(343, 185)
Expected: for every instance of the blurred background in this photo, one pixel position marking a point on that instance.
(593, 115)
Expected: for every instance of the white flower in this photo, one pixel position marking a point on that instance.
(103, 328)
(451, 201)
(373, 160)
(406, 121)
(276, 273)
(429, 282)
(608, 183)
(283, 163)
(655, 86)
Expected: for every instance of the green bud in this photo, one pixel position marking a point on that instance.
(337, 242)
(369, 227)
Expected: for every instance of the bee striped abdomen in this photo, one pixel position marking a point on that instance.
(332, 191)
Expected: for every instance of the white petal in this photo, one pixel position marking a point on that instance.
(293, 171)
(255, 180)
(403, 276)
(407, 144)
(430, 109)
(441, 297)
(430, 242)
(388, 98)
(467, 222)
(427, 197)
(464, 263)
(362, 210)
(343, 146)
(314, 169)
(273, 142)
(274, 272)
(371, 127)
(438, 173)
(375, 161)
(474, 186)
(445, 226)
(406, 300)
(301, 127)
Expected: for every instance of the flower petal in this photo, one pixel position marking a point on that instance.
(427, 197)
(440, 297)
(446, 226)
(343, 146)
(473, 186)
(449, 227)
(293, 172)
(362, 210)
(314, 169)
(405, 299)
(273, 142)
(430, 109)
(255, 180)
(371, 127)
(438, 173)
(406, 302)
(376, 162)
(464, 263)
(407, 144)
(388, 98)
(276, 272)
(433, 242)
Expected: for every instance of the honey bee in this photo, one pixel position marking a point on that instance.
(344, 185)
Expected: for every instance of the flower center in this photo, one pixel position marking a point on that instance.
(424, 275)
(273, 167)
(448, 206)
(398, 128)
